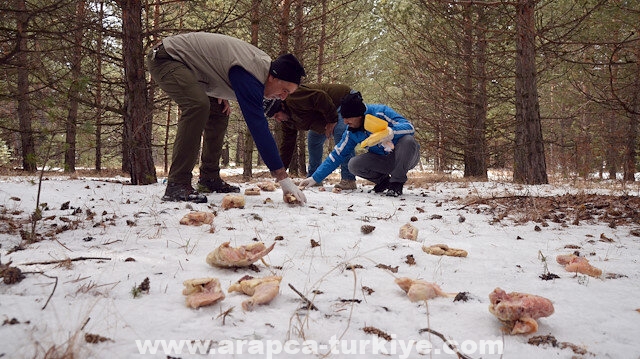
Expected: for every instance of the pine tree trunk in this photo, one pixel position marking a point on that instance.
(24, 108)
(475, 100)
(239, 147)
(529, 158)
(298, 50)
(224, 160)
(302, 158)
(137, 118)
(247, 158)
(634, 117)
(99, 105)
(74, 91)
(323, 40)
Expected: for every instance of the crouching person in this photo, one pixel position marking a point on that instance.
(392, 151)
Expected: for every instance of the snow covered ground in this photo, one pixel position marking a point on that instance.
(113, 236)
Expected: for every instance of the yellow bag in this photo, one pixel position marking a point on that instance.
(378, 128)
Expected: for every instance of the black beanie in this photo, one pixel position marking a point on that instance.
(352, 105)
(287, 68)
(272, 106)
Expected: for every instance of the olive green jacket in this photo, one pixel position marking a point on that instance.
(310, 107)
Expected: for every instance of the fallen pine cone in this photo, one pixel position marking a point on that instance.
(95, 338)
(12, 275)
(367, 228)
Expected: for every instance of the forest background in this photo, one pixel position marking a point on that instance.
(535, 87)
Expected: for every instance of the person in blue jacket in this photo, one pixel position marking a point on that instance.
(387, 160)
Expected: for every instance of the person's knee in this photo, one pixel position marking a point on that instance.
(414, 151)
(407, 145)
(201, 102)
(354, 166)
(408, 151)
(408, 141)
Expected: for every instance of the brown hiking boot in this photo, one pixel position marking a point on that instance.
(182, 192)
(346, 184)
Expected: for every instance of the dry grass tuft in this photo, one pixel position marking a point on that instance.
(67, 350)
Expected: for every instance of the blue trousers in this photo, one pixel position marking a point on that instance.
(315, 147)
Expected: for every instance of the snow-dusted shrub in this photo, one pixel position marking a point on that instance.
(5, 153)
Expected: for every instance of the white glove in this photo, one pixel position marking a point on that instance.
(307, 182)
(289, 187)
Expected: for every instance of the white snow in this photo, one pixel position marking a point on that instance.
(95, 296)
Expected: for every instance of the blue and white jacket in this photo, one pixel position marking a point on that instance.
(351, 138)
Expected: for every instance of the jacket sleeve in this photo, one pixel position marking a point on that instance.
(250, 93)
(400, 125)
(288, 144)
(337, 156)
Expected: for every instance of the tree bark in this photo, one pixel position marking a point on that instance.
(239, 146)
(283, 25)
(475, 164)
(247, 159)
(99, 105)
(74, 90)
(137, 117)
(529, 157)
(24, 108)
(302, 157)
(299, 161)
(322, 41)
(632, 133)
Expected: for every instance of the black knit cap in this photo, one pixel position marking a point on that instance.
(287, 68)
(272, 106)
(352, 105)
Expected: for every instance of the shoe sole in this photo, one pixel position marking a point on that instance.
(194, 200)
(202, 189)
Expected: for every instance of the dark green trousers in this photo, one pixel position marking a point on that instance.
(201, 119)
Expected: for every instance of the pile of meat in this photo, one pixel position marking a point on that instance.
(519, 311)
